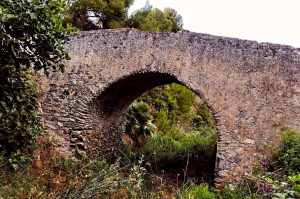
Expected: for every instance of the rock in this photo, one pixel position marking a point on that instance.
(249, 141)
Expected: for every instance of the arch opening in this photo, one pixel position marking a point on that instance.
(116, 102)
(172, 130)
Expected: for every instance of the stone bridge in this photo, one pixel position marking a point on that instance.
(249, 87)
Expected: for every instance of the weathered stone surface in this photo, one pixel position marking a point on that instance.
(248, 86)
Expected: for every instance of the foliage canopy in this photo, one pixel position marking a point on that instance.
(155, 20)
(107, 14)
(96, 14)
(33, 34)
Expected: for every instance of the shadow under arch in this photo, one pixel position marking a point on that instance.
(120, 94)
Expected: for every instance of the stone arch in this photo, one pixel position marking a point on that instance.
(121, 93)
(248, 85)
(111, 105)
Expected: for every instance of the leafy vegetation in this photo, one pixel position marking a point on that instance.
(155, 20)
(289, 157)
(183, 132)
(98, 14)
(175, 144)
(52, 176)
(170, 106)
(282, 179)
(139, 122)
(32, 35)
(49, 175)
(19, 117)
(201, 191)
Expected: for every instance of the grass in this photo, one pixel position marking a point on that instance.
(48, 175)
(201, 191)
(175, 143)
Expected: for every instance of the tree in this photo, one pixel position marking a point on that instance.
(172, 103)
(139, 122)
(155, 20)
(96, 14)
(32, 35)
(107, 14)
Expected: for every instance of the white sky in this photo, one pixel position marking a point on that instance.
(276, 21)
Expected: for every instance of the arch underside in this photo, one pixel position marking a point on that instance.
(119, 95)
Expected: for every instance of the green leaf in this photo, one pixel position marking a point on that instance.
(15, 166)
(296, 188)
(279, 196)
(2, 10)
(295, 178)
(33, 15)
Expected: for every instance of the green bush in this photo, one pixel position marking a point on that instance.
(282, 179)
(32, 35)
(155, 20)
(205, 115)
(174, 106)
(139, 122)
(19, 117)
(175, 143)
(289, 157)
(196, 192)
(174, 100)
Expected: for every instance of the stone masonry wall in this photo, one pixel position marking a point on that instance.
(248, 86)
